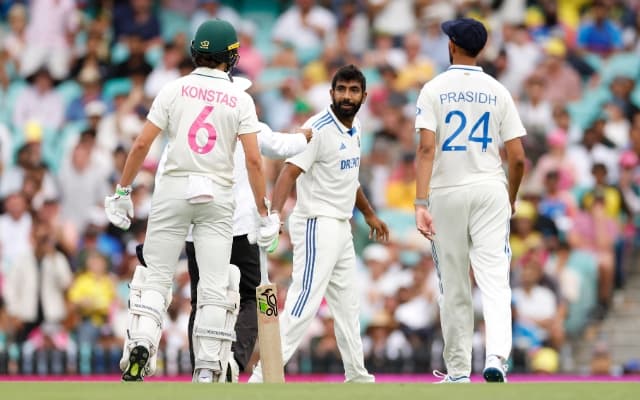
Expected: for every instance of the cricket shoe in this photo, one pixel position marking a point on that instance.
(446, 378)
(136, 370)
(495, 370)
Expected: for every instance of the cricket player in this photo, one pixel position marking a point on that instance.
(463, 117)
(244, 255)
(324, 260)
(203, 115)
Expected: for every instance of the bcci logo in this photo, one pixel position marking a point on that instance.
(204, 44)
(267, 304)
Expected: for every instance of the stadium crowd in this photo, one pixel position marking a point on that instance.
(76, 80)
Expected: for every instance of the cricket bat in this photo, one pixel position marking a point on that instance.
(269, 326)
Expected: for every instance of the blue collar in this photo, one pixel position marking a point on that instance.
(343, 129)
(465, 67)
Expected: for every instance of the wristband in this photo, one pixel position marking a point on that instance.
(123, 191)
(421, 202)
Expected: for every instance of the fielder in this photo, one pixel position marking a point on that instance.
(203, 115)
(324, 260)
(463, 116)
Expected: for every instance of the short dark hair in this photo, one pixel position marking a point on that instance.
(206, 60)
(469, 53)
(349, 73)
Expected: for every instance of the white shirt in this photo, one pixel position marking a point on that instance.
(331, 162)
(472, 114)
(15, 239)
(272, 145)
(396, 18)
(290, 28)
(202, 115)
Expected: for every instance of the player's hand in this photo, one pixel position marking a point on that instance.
(119, 207)
(307, 132)
(268, 232)
(424, 222)
(378, 230)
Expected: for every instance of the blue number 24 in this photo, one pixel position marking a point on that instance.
(482, 122)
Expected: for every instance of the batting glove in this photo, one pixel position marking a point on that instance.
(268, 232)
(119, 207)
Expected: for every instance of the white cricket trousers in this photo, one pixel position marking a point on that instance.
(472, 227)
(324, 265)
(168, 225)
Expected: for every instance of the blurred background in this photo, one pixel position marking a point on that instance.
(77, 79)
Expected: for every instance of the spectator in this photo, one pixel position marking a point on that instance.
(212, 9)
(538, 313)
(557, 204)
(594, 231)
(435, 42)
(617, 126)
(555, 160)
(34, 289)
(523, 54)
(614, 204)
(393, 18)
(252, 62)
(95, 55)
(136, 18)
(15, 230)
(91, 294)
(524, 236)
(15, 40)
(136, 60)
(585, 154)
(50, 33)
(82, 186)
(306, 26)
(385, 348)
(39, 102)
(91, 81)
(599, 35)
(353, 24)
(401, 187)
(563, 82)
(417, 68)
(621, 88)
(536, 115)
(166, 71)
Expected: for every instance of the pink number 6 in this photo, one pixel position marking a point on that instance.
(198, 124)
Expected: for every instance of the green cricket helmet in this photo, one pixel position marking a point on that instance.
(216, 40)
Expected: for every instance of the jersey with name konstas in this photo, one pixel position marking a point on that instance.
(472, 115)
(331, 164)
(202, 115)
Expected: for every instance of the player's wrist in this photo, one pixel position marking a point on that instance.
(123, 190)
(421, 203)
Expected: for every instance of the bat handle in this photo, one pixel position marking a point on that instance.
(264, 267)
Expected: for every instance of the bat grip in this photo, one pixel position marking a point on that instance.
(264, 267)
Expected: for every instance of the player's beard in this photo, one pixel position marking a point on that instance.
(450, 57)
(345, 113)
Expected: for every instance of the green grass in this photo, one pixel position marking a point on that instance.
(310, 391)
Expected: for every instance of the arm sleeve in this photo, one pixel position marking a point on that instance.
(306, 158)
(248, 118)
(159, 112)
(426, 117)
(511, 126)
(277, 145)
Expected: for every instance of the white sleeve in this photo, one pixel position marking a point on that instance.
(511, 126)
(426, 117)
(306, 158)
(248, 118)
(277, 145)
(159, 112)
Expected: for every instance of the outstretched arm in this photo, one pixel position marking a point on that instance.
(277, 145)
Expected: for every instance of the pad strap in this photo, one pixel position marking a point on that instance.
(215, 333)
(227, 305)
(147, 311)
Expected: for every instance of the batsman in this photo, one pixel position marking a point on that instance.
(203, 116)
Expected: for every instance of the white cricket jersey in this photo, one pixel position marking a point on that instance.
(331, 162)
(472, 114)
(202, 115)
